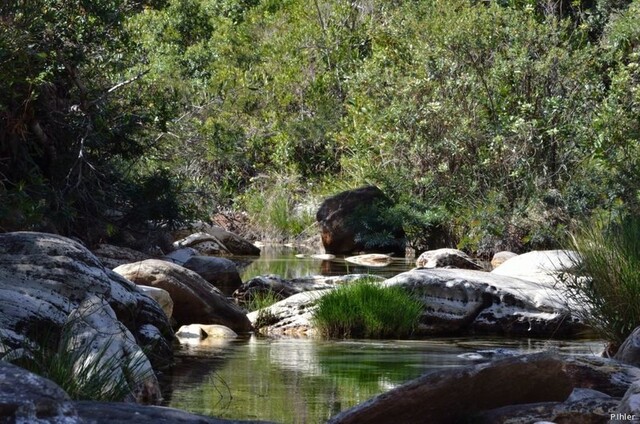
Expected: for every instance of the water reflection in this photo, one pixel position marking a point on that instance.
(308, 381)
(282, 261)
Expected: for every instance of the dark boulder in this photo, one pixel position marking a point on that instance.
(353, 221)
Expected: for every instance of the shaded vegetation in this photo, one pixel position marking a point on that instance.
(364, 309)
(493, 125)
(607, 282)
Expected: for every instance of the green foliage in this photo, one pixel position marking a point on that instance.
(364, 309)
(607, 281)
(275, 205)
(262, 300)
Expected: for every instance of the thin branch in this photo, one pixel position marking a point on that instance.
(119, 85)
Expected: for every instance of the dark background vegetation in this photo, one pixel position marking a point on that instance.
(492, 124)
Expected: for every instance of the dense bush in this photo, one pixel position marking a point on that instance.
(365, 309)
(492, 124)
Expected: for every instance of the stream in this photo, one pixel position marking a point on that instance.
(298, 380)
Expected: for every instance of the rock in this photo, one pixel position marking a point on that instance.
(540, 266)
(28, 398)
(113, 256)
(194, 299)
(180, 256)
(459, 300)
(126, 413)
(44, 277)
(584, 411)
(323, 256)
(203, 243)
(501, 257)
(446, 258)
(113, 354)
(629, 351)
(262, 286)
(202, 331)
(220, 272)
(629, 408)
(291, 316)
(352, 221)
(371, 260)
(161, 296)
(456, 395)
(212, 239)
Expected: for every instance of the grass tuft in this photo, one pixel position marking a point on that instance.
(607, 280)
(364, 309)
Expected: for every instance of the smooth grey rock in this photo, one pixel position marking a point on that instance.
(113, 256)
(28, 398)
(459, 300)
(194, 299)
(180, 256)
(291, 316)
(540, 266)
(112, 352)
(220, 272)
(629, 351)
(456, 395)
(161, 296)
(501, 257)
(629, 406)
(446, 258)
(43, 277)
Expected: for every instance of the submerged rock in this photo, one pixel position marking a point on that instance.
(194, 299)
(370, 259)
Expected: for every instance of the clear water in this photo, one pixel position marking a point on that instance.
(308, 381)
(292, 380)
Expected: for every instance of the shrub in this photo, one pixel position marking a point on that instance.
(365, 309)
(607, 281)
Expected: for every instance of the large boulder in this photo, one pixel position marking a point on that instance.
(446, 258)
(195, 301)
(113, 356)
(352, 221)
(457, 395)
(44, 277)
(458, 300)
(220, 272)
(539, 265)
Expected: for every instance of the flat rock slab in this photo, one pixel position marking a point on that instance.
(459, 300)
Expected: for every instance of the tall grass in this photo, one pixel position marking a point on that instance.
(82, 372)
(363, 309)
(274, 204)
(608, 278)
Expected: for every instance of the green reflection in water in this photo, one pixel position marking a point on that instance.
(308, 381)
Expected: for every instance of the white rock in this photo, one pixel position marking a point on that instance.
(161, 296)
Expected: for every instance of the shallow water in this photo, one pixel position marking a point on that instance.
(308, 381)
(282, 261)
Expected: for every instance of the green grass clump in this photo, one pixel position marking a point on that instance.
(364, 309)
(607, 280)
(262, 300)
